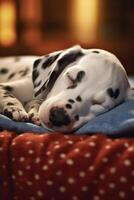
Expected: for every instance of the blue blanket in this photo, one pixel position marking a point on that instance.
(118, 119)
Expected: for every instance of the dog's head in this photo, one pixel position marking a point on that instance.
(76, 85)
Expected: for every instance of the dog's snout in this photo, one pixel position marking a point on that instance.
(58, 117)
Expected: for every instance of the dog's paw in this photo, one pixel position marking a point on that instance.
(15, 113)
(33, 117)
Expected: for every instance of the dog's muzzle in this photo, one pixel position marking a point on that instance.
(59, 117)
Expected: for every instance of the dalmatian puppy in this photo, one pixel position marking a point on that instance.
(64, 89)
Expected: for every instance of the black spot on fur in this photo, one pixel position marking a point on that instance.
(80, 76)
(24, 72)
(71, 100)
(50, 60)
(77, 117)
(7, 113)
(8, 88)
(95, 51)
(68, 106)
(37, 84)
(11, 76)
(35, 75)
(78, 98)
(116, 93)
(69, 58)
(3, 71)
(10, 104)
(110, 92)
(72, 86)
(36, 62)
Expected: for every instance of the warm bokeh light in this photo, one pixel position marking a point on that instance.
(7, 23)
(84, 19)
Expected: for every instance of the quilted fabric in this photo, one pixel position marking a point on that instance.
(65, 167)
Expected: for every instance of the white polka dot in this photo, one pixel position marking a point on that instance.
(70, 142)
(13, 143)
(28, 142)
(87, 155)
(91, 168)
(36, 176)
(13, 177)
(37, 160)
(132, 188)
(130, 149)
(105, 160)
(107, 146)
(48, 153)
(29, 183)
(71, 180)
(49, 182)
(59, 173)
(102, 176)
(77, 150)
(50, 162)
(69, 162)
(111, 185)
(74, 198)
(123, 179)
(40, 193)
(31, 151)
(84, 189)
(122, 194)
(126, 144)
(20, 173)
(41, 144)
(57, 146)
(82, 174)
(3, 166)
(5, 183)
(32, 198)
(1, 149)
(127, 163)
(133, 173)
(22, 159)
(56, 142)
(13, 159)
(28, 167)
(62, 155)
(92, 144)
(112, 170)
(2, 135)
(62, 189)
(66, 136)
(101, 191)
(96, 198)
(45, 167)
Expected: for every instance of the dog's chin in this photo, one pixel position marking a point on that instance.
(63, 129)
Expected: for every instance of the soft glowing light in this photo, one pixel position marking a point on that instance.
(7, 23)
(84, 19)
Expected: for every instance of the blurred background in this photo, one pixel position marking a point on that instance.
(41, 26)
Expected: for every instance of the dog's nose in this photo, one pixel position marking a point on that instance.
(58, 117)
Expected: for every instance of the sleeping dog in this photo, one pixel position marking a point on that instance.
(64, 89)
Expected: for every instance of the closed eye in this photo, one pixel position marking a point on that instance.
(72, 81)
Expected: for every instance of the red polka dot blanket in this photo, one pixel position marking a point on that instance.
(65, 167)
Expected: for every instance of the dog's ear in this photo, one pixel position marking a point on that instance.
(47, 69)
(42, 68)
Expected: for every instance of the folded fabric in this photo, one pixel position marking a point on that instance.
(118, 119)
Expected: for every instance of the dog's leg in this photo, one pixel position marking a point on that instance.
(32, 108)
(10, 106)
